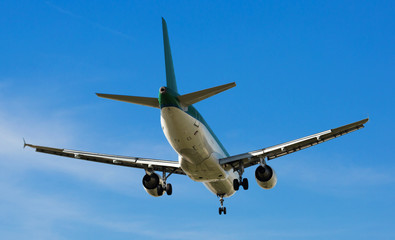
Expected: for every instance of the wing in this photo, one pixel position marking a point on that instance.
(254, 157)
(135, 162)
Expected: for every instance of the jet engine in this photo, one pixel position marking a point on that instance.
(153, 184)
(265, 177)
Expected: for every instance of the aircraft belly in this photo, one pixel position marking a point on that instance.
(198, 151)
(194, 143)
(221, 187)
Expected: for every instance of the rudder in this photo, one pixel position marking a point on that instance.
(170, 75)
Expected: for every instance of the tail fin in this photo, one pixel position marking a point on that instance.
(170, 76)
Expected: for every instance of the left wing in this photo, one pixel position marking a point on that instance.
(135, 162)
(254, 157)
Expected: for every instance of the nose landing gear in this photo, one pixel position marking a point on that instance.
(221, 209)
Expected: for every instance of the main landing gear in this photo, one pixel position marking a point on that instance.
(165, 186)
(221, 209)
(241, 181)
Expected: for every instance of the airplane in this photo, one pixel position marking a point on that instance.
(201, 156)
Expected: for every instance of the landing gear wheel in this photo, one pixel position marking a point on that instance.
(169, 189)
(222, 210)
(159, 188)
(236, 184)
(245, 184)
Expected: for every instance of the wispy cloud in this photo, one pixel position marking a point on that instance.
(55, 130)
(43, 216)
(92, 23)
(334, 176)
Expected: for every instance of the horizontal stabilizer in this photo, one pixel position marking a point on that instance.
(145, 101)
(191, 98)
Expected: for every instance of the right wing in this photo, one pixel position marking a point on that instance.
(135, 162)
(251, 158)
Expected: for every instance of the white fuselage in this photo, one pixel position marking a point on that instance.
(198, 151)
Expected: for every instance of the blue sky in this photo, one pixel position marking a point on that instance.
(300, 68)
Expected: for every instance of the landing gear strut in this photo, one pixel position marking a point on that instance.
(241, 181)
(165, 187)
(221, 209)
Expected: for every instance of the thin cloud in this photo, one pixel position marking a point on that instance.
(94, 24)
(41, 215)
(340, 177)
(16, 123)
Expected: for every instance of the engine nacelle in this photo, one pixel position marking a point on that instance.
(151, 183)
(265, 177)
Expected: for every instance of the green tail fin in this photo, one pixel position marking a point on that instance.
(170, 76)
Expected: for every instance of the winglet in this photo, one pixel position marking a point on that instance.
(27, 144)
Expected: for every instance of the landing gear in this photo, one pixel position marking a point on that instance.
(222, 209)
(241, 181)
(163, 186)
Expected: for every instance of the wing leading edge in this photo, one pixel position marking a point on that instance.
(251, 158)
(135, 162)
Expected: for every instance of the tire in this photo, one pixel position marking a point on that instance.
(245, 184)
(169, 189)
(160, 190)
(236, 184)
(220, 211)
(224, 210)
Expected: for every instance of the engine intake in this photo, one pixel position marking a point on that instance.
(265, 177)
(151, 183)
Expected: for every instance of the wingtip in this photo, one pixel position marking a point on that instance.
(25, 144)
